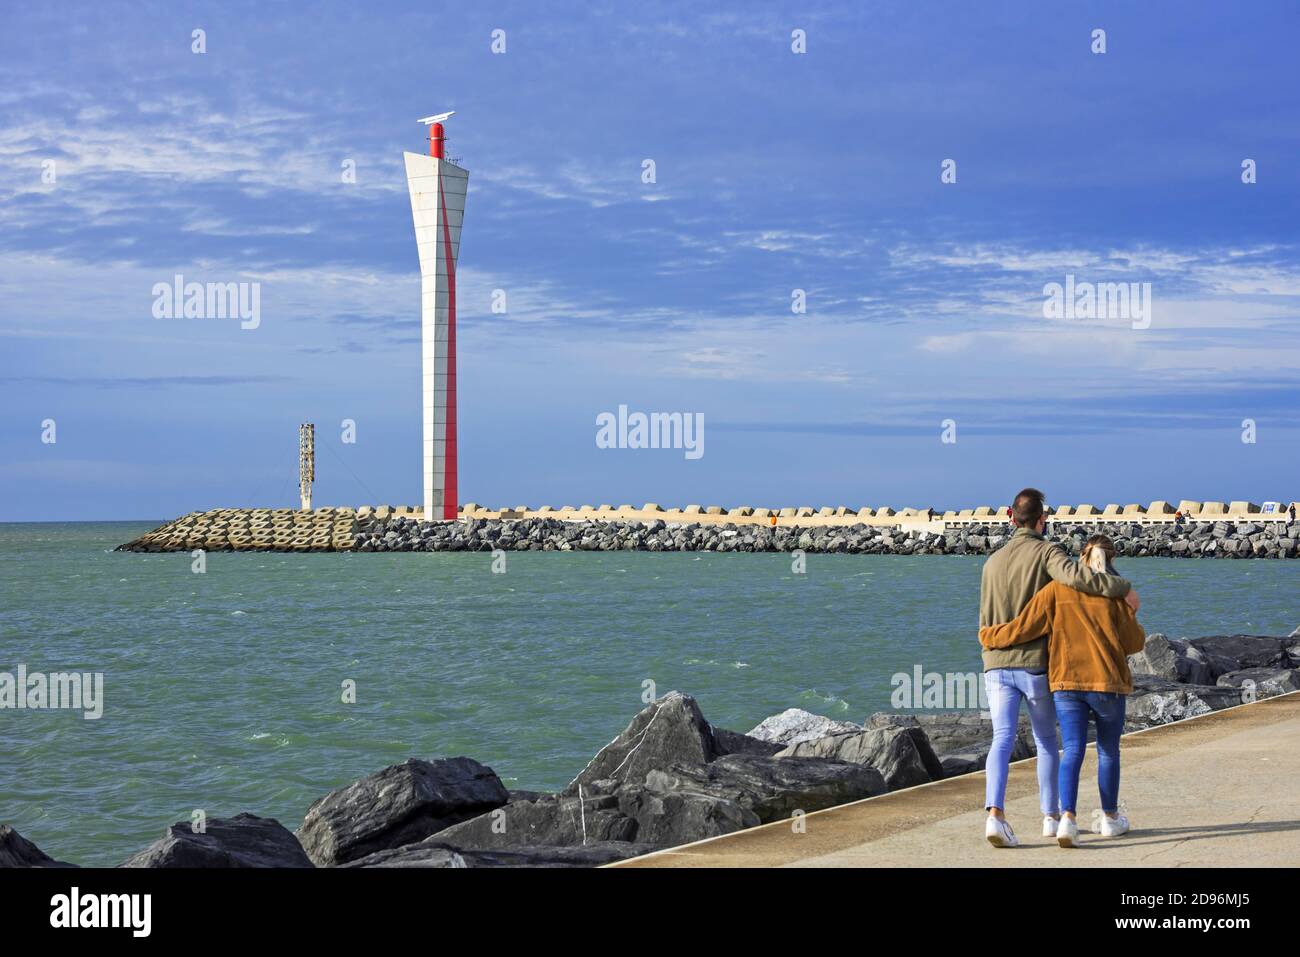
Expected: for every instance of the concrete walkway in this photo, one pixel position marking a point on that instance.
(1215, 791)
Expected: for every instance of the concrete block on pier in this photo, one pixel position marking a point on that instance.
(1188, 507)
(1160, 508)
(1243, 508)
(1213, 508)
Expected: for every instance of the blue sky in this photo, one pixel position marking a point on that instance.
(775, 171)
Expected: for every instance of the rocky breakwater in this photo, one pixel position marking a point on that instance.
(1218, 540)
(670, 778)
(383, 530)
(253, 530)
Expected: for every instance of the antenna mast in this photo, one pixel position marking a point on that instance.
(306, 462)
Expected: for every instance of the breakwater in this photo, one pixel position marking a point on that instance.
(672, 777)
(386, 530)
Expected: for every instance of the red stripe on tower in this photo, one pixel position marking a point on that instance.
(450, 502)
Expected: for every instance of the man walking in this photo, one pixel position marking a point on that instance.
(1011, 577)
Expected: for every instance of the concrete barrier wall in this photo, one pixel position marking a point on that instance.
(332, 529)
(910, 517)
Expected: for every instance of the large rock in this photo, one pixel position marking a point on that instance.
(553, 820)
(608, 811)
(432, 852)
(399, 805)
(733, 742)
(670, 729)
(244, 840)
(1178, 660)
(1246, 651)
(1155, 701)
(772, 788)
(667, 816)
(960, 739)
(794, 725)
(1262, 682)
(17, 851)
(902, 755)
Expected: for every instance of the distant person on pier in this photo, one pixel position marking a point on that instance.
(1089, 641)
(1012, 576)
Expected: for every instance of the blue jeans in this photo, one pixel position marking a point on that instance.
(1006, 687)
(1073, 709)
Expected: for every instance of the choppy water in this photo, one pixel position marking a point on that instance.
(223, 690)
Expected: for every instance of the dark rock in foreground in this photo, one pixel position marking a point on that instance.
(432, 853)
(668, 729)
(1179, 660)
(1262, 682)
(17, 851)
(771, 788)
(1155, 701)
(244, 840)
(671, 817)
(960, 739)
(553, 820)
(399, 805)
(733, 742)
(1246, 651)
(901, 755)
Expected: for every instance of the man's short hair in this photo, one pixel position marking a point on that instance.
(1028, 507)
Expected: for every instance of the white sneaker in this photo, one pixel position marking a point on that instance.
(1114, 826)
(1050, 825)
(998, 833)
(1067, 832)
